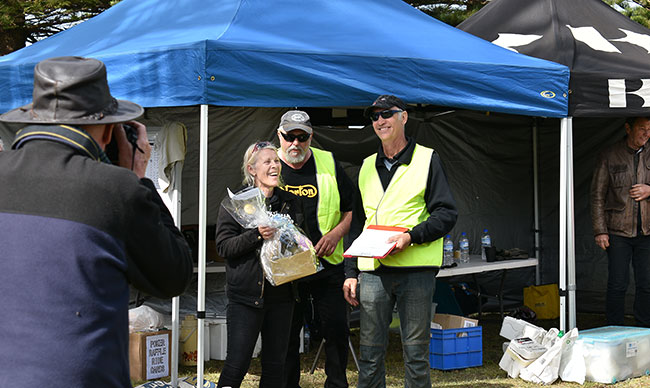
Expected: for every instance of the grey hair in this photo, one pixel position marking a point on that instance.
(250, 157)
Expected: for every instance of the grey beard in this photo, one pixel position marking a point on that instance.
(295, 159)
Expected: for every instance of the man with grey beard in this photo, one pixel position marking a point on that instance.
(327, 194)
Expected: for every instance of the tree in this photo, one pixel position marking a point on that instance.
(452, 12)
(23, 21)
(639, 11)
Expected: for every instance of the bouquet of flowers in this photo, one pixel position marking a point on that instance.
(289, 255)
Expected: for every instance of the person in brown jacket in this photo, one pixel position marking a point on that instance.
(620, 212)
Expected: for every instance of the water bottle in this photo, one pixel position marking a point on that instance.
(447, 251)
(486, 242)
(464, 248)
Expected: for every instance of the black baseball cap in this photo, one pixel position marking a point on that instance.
(385, 101)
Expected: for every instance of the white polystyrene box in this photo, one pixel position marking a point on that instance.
(219, 340)
(615, 353)
(512, 328)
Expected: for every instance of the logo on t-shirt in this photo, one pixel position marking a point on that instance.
(309, 191)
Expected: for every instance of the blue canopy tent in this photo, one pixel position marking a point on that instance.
(320, 53)
(315, 53)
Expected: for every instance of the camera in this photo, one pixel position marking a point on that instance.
(131, 136)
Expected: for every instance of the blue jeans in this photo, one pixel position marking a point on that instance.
(413, 294)
(622, 251)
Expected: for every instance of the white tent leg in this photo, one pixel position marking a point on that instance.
(564, 134)
(176, 213)
(538, 250)
(203, 190)
(571, 256)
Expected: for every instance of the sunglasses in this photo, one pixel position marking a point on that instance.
(385, 114)
(260, 145)
(303, 137)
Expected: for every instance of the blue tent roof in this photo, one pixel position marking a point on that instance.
(293, 53)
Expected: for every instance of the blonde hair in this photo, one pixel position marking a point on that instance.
(250, 157)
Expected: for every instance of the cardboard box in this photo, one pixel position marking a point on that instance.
(149, 354)
(448, 321)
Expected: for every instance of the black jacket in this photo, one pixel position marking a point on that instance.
(74, 232)
(240, 247)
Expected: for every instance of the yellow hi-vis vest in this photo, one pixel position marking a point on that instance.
(329, 199)
(402, 204)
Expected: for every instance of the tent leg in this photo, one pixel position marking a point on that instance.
(176, 212)
(538, 250)
(563, 220)
(203, 189)
(571, 256)
(566, 247)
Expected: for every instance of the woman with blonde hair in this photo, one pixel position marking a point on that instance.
(254, 305)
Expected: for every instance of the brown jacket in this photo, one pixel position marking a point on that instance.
(613, 211)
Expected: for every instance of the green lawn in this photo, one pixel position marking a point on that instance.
(487, 376)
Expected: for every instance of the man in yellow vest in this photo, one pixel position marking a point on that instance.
(327, 195)
(403, 185)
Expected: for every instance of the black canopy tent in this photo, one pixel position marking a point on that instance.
(609, 58)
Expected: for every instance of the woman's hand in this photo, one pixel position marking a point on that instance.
(266, 232)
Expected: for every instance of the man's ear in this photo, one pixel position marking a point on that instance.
(107, 135)
(405, 117)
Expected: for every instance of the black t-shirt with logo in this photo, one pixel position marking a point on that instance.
(302, 182)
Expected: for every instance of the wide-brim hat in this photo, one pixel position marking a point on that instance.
(385, 101)
(72, 90)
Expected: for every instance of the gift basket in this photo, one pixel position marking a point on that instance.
(289, 255)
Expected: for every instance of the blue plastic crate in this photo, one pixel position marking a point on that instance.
(456, 348)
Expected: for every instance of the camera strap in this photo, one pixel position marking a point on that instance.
(76, 138)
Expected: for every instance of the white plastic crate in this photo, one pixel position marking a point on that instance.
(615, 353)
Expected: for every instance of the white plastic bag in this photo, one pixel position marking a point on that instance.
(546, 369)
(144, 318)
(572, 364)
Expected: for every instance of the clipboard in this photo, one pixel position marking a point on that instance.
(372, 242)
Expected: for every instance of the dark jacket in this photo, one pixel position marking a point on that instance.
(240, 247)
(74, 233)
(613, 211)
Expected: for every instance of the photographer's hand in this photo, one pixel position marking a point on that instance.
(138, 161)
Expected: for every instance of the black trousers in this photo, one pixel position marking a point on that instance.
(244, 325)
(326, 295)
(621, 252)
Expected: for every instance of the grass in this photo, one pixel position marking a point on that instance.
(487, 376)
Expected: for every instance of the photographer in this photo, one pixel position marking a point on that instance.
(76, 231)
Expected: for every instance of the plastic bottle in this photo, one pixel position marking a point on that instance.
(447, 251)
(464, 248)
(306, 339)
(486, 242)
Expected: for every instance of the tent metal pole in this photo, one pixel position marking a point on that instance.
(203, 190)
(563, 220)
(176, 213)
(538, 250)
(571, 255)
